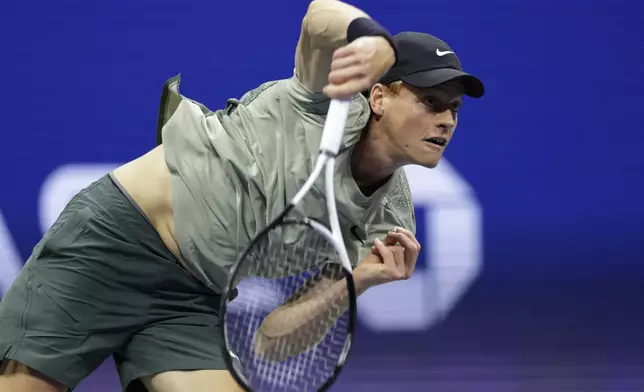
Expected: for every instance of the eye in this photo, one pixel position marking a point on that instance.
(429, 101)
(455, 106)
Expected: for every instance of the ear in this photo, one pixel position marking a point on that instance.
(377, 99)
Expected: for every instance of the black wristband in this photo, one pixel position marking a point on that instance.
(363, 27)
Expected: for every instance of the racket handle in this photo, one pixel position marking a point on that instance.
(336, 120)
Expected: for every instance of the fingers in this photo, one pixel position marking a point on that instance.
(407, 233)
(346, 90)
(361, 47)
(346, 62)
(386, 254)
(345, 74)
(354, 68)
(344, 51)
(411, 245)
(399, 259)
(393, 258)
(390, 240)
(405, 239)
(411, 252)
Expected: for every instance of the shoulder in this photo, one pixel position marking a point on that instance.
(317, 104)
(313, 107)
(291, 95)
(259, 96)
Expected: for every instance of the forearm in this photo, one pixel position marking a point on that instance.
(297, 327)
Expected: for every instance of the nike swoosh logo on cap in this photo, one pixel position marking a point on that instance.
(440, 53)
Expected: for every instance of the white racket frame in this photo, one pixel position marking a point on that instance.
(329, 147)
(332, 133)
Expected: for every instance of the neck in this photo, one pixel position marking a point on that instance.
(372, 162)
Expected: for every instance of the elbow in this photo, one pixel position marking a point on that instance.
(275, 342)
(269, 340)
(313, 22)
(267, 348)
(314, 8)
(262, 346)
(326, 22)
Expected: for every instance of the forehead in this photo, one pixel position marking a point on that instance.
(447, 91)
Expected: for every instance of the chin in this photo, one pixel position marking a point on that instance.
(430, 165)
(428, 162)
(424, 158)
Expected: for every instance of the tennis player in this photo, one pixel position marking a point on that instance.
(135, 264)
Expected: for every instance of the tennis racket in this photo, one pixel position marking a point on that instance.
(289, 307)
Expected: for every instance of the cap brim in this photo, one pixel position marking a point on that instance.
(424, 79)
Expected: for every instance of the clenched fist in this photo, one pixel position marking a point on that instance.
(390, 260)
(358, 66)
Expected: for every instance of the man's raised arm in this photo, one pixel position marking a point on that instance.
(341, 50)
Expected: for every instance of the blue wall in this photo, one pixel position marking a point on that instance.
(552, 155)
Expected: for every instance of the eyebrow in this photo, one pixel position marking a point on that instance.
(433, 93)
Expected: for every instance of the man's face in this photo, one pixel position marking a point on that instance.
(419, 122)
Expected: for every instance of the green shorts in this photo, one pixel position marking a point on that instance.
(99, 283)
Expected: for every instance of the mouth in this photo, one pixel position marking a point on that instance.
(437, 141)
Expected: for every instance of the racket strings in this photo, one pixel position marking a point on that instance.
(289, 264)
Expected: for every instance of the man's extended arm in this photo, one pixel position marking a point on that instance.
(305, 318)
(308, 315)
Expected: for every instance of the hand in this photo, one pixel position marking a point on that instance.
(358, 66)
(389, 260)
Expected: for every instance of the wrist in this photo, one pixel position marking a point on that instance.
(360, 281)
(386, 55)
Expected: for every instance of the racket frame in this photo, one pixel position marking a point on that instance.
(329, 147)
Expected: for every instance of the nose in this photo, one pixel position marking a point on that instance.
(445, 121)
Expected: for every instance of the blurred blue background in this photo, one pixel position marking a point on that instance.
(531, 277)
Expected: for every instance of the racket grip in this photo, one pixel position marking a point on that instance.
(336, 120)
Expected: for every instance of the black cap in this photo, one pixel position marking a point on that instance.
(426, 61)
